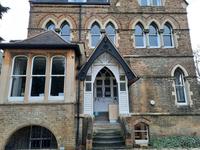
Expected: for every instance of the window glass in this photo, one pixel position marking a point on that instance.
(39, 66)
(122, 86)
(139, 36)
(88, 87)
(95, 34)
(20, 66)
(143, 2)
(50, 26)
(58, 66)
(38, 84)
(57, 76)
(38, 76)
(88, 78)
(180, 86)
(153, 36)
(19, 77)
(18, 86)
(65, 31)
(110, 30)
(168, 36)
(156, 2)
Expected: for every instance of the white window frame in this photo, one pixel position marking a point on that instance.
(37, 98)
(144, 39)
(18, 98)
(142, 141)
(158, 38)
(184, 88)
(91, 35)
(115, 34)
(55, 98)
(67, 35)
(150, 3)
(172, 38)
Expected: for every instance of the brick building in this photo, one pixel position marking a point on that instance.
(93, 65)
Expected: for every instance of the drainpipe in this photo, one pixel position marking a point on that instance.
(78, 110)
(79, 83)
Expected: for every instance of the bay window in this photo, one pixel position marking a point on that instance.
(18, 76)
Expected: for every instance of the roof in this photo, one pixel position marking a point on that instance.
(46, 40)
(93, 2)
(107, 46)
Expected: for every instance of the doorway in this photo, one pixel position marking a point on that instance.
(105, 93)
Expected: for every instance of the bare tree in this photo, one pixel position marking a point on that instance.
(197, 61)
(3, 10)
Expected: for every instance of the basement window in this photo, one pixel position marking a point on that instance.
(32, 137)
(141, 133)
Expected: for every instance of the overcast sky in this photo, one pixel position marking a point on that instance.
(14, 24)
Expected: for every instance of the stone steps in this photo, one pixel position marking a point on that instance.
(107, 137)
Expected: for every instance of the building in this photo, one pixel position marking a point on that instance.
(89, 61)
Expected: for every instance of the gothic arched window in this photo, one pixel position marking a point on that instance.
(139, 36)
(111, 32)
(168, 35)
(153, 36)
(180, 86)
(50, 26)
(95, 34)
(65, 31)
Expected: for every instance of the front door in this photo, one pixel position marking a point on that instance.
(106, 92)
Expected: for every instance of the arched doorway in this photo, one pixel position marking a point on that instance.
(32, 137)
(105, 93)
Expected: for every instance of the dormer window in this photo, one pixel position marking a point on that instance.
(150, 2)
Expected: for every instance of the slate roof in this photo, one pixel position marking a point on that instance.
(46, 40)
(66, 1)
(105, 45)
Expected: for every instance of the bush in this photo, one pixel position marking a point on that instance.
(175, 142)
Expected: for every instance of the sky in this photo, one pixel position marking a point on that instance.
(14, 24)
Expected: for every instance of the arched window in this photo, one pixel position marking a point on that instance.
(180, 86)
(139, 36)
(153, 36)
(65, 31)
(110, 30)
(95, 34)
(50, 26)
(19, 77)
(141, 132)
(57, 77)
(32, 137)
(38, 77)
(168, 35)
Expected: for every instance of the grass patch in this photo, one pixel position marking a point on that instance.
(175, 142)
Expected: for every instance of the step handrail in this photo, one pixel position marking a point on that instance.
(87, 132)
(126, 132)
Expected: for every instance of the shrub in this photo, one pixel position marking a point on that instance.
(175, 142)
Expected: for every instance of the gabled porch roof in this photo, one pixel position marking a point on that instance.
(105, 45)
